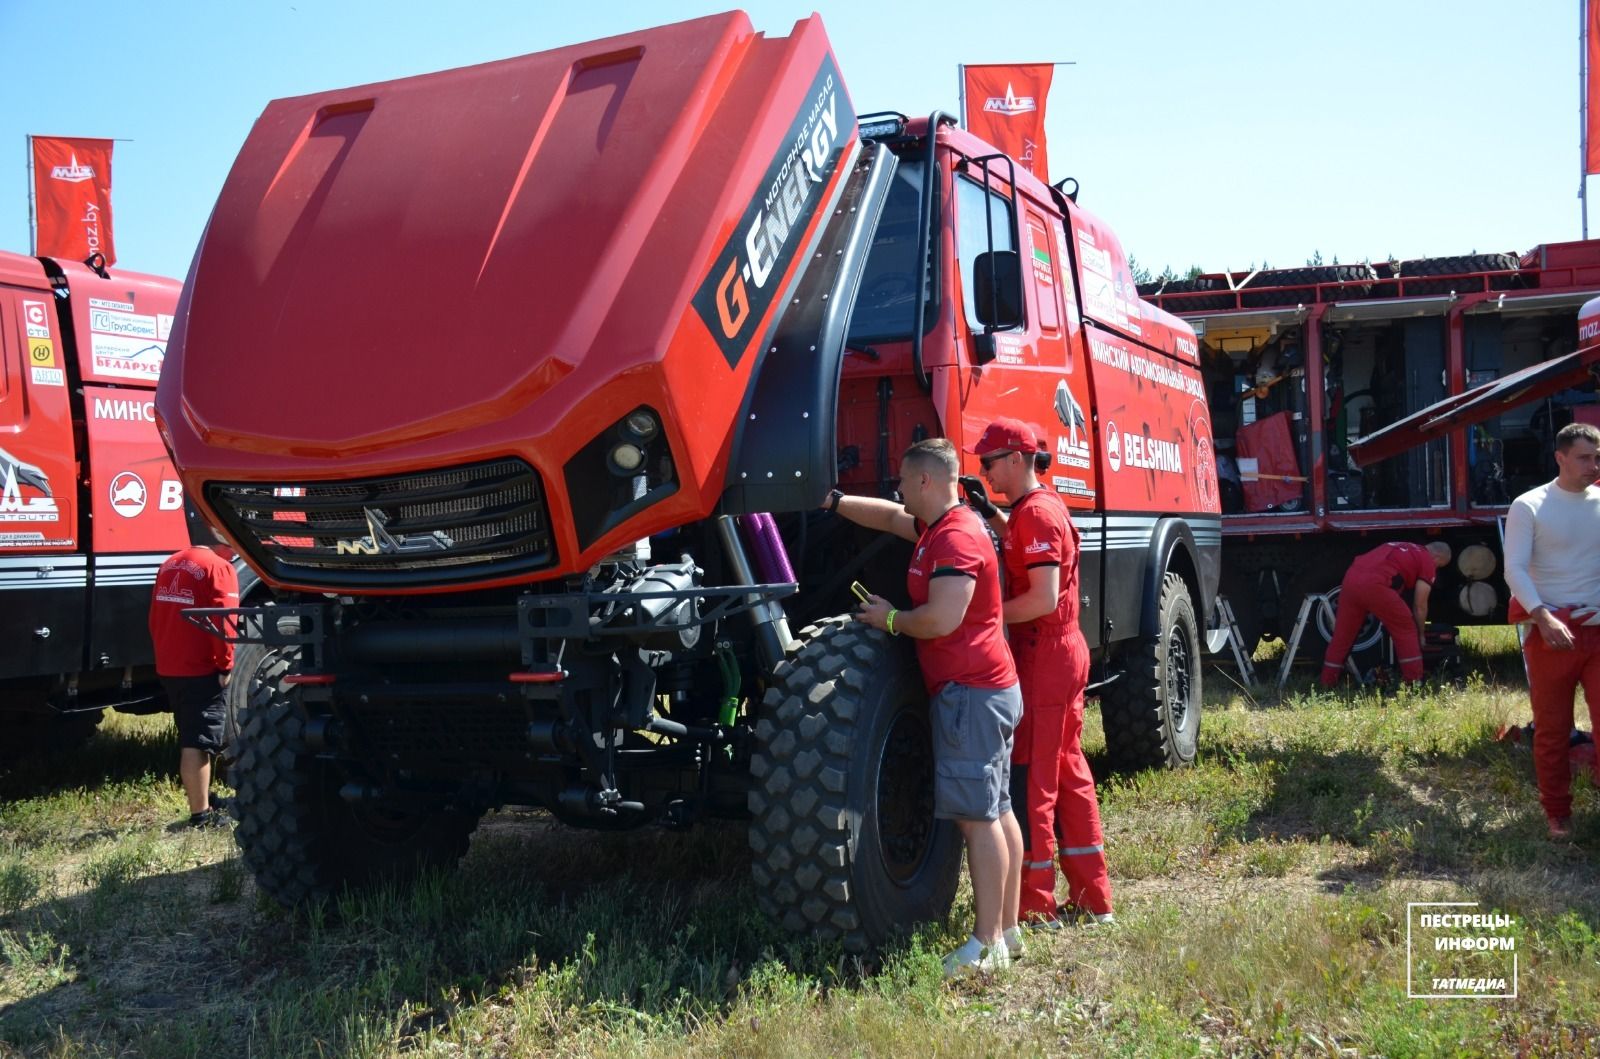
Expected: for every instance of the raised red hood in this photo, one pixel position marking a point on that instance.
(501, 260)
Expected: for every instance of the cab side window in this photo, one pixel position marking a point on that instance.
(973, 234)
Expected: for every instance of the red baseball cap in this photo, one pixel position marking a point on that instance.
(1006, 435)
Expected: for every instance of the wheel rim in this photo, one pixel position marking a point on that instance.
(905, 796)
(1180, 678)
(1369, 635)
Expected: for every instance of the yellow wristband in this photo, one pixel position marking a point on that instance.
(888, 621)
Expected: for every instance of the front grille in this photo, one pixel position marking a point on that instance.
(466, 523)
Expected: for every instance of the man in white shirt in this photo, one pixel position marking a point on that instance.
(1553, 570)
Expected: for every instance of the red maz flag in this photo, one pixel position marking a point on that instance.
(1591, 133)
(1005, 106)
(72, 198)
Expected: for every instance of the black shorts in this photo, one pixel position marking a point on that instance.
(197, 705)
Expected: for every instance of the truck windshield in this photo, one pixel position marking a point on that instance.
(886, 304)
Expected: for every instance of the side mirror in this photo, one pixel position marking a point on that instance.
(997, 288)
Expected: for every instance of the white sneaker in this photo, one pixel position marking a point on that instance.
(1016, 948)
(974, 957)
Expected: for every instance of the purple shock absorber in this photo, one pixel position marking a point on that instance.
(768, 554)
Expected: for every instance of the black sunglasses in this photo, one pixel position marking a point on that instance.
(991, 460)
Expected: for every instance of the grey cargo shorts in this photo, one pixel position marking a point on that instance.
(972, 739)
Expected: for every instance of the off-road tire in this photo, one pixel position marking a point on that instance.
(1151, 713)
(1457, 266)
(1193, 286)
(250, 662)
(298, 837)
(844, 843)
(1355, 281)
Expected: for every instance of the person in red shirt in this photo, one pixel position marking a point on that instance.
(194, 665)
(956, 620)
(1051, 779)
(1376, 583)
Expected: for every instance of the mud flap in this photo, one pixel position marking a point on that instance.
(783, 451)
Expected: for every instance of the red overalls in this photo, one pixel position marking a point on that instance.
(1553, 677)
(1052, 788)
(1373, 585)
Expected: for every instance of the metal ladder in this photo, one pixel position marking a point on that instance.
(1319, 600)
(1241, 656)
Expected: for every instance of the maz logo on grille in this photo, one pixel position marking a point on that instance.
(379, 541)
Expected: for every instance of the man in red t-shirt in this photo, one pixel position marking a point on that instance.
(1051, 780)
(193, 664)
(1376, 583)
(956, 620)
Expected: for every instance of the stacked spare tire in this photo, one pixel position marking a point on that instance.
(1269, 288)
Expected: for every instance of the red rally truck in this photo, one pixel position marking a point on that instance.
(571, 347)
(90, 504)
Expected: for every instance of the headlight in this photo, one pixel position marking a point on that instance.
(627, 458)
(620, 472)
(642, 425)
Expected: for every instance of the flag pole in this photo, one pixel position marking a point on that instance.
(33, 227)
(1583, 112)
(961, 79)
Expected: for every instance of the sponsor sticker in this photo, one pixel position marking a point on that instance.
(1113, 447)
(107, 303)
(49, 377)
(1071, 486)
(1093, 258)
(128, 357)
(1072, 448)
(128, 494)
(163, 325)
(1099, 297)
(112, 322)
(14, 507)
(36, 318)
(42, 353)
(746, 272)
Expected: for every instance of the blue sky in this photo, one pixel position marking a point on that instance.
(1219, 134)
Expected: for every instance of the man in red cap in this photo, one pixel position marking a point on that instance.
(1376, 583)
(1051, 781)
(193, 664)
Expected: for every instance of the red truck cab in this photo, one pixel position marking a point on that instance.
(90, 504)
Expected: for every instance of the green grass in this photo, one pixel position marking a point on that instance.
(1261, 902)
